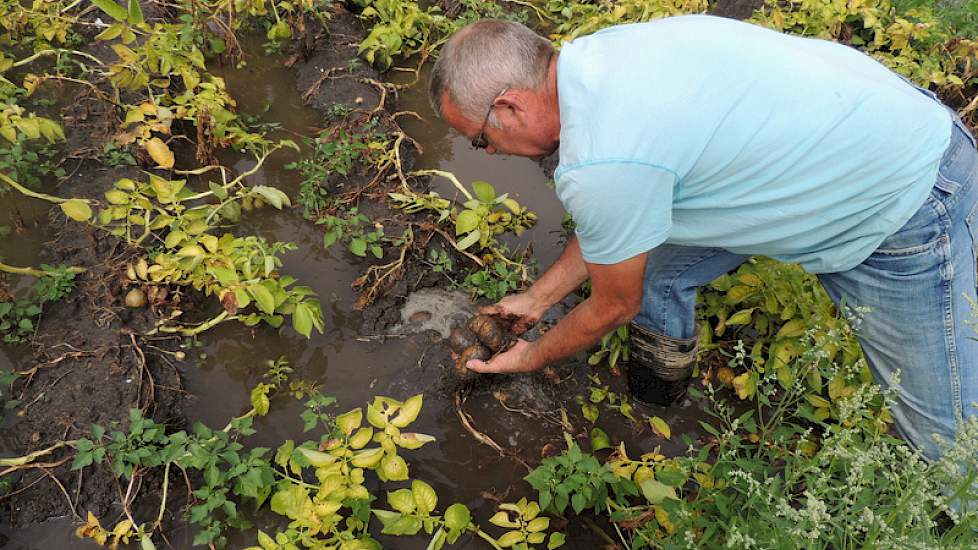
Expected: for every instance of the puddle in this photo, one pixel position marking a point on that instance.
(352, 366)
(435, 309)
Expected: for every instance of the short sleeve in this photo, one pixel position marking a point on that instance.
(621, 208)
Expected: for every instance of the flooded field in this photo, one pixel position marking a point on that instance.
(227, 361)
(263, 239)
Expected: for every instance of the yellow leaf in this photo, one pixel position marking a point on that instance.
(662, 516)
(160, 153)
(742, 317)
(791, 329)
(744, 385)
(660, 427)
(77, 209)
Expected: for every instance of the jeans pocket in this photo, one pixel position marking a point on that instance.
(921, 233)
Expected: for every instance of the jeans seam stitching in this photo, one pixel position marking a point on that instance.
(952, 346)
(947, 267)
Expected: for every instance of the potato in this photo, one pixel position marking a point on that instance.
(460, 339)
(489, 331)
(475, 351)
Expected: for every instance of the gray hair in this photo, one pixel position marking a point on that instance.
(484, 58)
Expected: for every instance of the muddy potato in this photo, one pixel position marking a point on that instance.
(489, 331)
(725, 375)
(136, 298)
(461, 338)
(475, 351)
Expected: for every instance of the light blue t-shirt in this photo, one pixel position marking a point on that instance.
(704, 131)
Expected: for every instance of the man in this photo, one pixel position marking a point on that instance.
(688, 144)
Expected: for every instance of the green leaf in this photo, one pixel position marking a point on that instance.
(135, 13)
(742, 317)
(290, 502)
(347, 422)
(330, 237)
(393, 468)
(791, 329)
(264, 298)
(113, 10)
(259, 399)
(77, 209)
(467, 221)
(510, 538)
(401, 500)
(408, 412)
(501, 519)
(457, 517)
(406, 525)
(556, 541)
(424, 496)
(655, 491)
(358, 246)
(599, 440)
(437, 541)
(470, 239)
(484, 190)
(273, 196)
(302, 319)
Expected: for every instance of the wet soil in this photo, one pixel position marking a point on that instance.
(88, 364)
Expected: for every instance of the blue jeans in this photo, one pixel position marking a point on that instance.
(916, 286)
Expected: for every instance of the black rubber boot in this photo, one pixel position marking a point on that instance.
(659, 366)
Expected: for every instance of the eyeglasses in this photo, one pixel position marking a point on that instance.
(480, 141)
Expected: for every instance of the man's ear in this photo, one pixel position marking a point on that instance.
(513, 102)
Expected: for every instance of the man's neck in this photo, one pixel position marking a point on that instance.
(552, 99)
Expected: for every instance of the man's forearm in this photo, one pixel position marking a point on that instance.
(563, 277)
(580, 329)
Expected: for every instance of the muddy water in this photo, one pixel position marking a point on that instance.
(344, 363)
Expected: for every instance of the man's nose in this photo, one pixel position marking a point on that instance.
(490, 149)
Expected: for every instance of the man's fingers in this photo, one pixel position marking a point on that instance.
(521, 326)
(493, 309)
(478, 366)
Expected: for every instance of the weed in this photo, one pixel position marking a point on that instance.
(18, 318)
(28, 161)
(494, 281)
(336, 153)
(353, 229)
(578, 479)
(113, 155)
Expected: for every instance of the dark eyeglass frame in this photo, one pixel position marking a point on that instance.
(480, 141)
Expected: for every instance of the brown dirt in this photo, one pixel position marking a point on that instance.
(735, 9)
(90, 366)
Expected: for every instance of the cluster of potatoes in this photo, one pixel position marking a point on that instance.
(482, 337)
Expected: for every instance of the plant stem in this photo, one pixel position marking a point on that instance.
(297, 481)
(447, 175)
(223, 316)
(166, 483)
(32, 271)
(43, 53)
(25, 191)
(21, 460)
(482, 534)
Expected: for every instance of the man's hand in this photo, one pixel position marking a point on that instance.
(515, 359)
(522, 307)
(567, 273)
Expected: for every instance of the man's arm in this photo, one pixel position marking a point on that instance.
(616, 297)
(562, 278)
